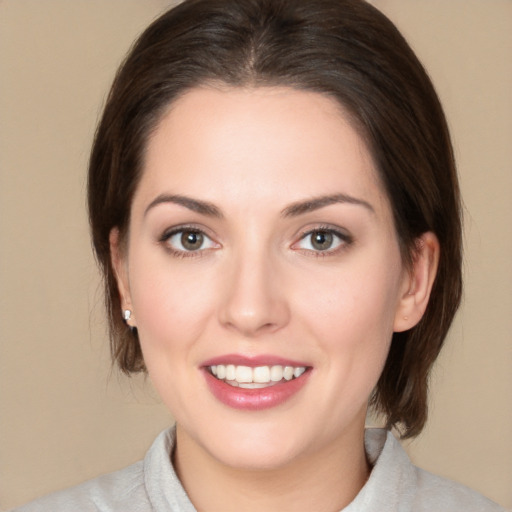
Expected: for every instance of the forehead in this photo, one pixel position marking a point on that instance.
(221, 143)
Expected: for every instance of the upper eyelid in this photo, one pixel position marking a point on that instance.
(170, 231)
(341, 232)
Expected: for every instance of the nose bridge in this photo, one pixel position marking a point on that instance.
(254, 302)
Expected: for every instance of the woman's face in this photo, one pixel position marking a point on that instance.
(262, 248)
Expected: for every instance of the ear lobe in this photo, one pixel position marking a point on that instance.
(418, 283)
(119, 264)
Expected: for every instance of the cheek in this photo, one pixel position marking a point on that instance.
(171, 306)
(352, 302)
(352, 320)
(172, 310)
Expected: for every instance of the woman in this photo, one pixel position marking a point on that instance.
(274, 204)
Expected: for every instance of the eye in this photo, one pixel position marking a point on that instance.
(323, 240)
(188, 240)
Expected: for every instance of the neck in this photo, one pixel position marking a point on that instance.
(326, 480)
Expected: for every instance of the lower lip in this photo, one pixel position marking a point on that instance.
(255, 399)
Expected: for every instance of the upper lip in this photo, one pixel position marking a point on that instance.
(253, 361)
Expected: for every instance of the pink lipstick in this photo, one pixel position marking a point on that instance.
(254, 383)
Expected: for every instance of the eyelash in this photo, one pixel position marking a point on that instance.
(344, 240)
(184, 253)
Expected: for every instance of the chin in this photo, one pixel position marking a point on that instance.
(259, 445)
(256, 456)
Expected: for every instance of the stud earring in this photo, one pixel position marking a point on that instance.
(127, 314)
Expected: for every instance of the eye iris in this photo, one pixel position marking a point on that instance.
(321, 240)
(191, 240)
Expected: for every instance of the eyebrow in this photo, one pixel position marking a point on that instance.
(316, 203)
(294, 210)
(202, 207)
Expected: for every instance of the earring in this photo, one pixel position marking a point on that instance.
(127, 314)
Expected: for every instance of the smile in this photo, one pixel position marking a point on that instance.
(255, 378)
(255, 387)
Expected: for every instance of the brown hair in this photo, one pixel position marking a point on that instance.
(345, 49)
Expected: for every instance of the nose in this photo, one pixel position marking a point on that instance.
(254, 301)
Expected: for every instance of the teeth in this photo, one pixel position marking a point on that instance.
(261, 374)
(288, 372)
(230, 372)
(276, 373)
(297, 372)
(221, 371)
(251, 385)
(243, 374)
(258, 377)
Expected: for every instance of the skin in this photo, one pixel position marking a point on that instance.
(258, 286)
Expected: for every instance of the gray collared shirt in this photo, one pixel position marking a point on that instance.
(395, 485)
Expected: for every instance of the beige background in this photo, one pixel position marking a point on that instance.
(64, 415)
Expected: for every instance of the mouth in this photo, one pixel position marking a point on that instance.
(247, 377)
(254, 384)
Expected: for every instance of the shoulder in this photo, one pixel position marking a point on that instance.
(122, 490)
(396, 484)
(147, 485)
(436, 493)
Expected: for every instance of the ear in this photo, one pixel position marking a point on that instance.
(418, 283)
(120, 266)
